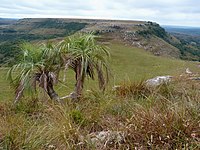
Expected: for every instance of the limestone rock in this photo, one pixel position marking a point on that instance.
(158, 80)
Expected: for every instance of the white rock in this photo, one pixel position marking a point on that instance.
(102, 138)
(158, 80)
(188, 71)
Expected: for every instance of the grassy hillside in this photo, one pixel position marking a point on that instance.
(11, 35)
(131, 117)
(6, 93)
(38, 29)
(141, 34)
(127, 64)
(133, 63)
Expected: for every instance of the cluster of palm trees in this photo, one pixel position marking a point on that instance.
(40, 65)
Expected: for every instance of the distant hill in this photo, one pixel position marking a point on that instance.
(193, 31)
(141, 34)
(189, 38)
(188, 34)
(7, 21)
(38, 29)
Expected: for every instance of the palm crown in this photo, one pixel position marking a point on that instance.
(85, 56)
(37, 64)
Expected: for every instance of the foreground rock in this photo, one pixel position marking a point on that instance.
(104, 139)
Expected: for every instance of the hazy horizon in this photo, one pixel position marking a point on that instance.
(163, 25)
(171, 12)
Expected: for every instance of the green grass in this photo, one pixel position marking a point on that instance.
(166, 117)
(136, 64)
(127, 64)
(6, 92)
(131, 64)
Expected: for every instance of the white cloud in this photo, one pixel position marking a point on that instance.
(176, 12)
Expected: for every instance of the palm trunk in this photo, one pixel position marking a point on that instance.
(79, 81)
(46, 83)
(51, 92)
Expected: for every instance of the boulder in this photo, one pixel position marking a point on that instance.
(158, 80)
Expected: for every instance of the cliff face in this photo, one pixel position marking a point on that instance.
(146, 35)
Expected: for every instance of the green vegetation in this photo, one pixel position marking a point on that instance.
(133, 64)
(13, 33)
(37, 64)
(153, 29)
(152, 37)
(136, 64)
(8, 53)
(12, 36)
(42, 64)
(58, 24)
(162, 117)
(187, 44)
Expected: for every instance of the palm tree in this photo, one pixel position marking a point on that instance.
(39, 64)
(85, 56)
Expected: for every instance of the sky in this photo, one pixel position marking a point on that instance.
(164, 12)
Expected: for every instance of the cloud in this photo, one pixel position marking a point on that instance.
(175, 12)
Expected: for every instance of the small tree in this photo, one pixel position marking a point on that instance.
(38, 64)
(85, 56)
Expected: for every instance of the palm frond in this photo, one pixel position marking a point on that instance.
(19, 90)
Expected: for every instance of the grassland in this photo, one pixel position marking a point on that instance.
(166, 117)
(127, 64)
(136, 64)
